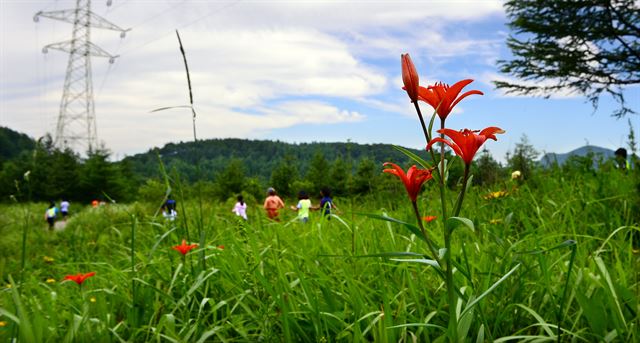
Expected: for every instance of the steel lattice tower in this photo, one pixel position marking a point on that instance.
(76, 127)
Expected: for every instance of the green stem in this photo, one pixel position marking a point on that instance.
(424, 127)
(133, 262)
(458, 207)
(453, 319)
(441, 172)
(432, 249)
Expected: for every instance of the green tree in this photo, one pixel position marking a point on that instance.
(590, 47)
(365, 180)
(284, 176)
(99, 177)
(318, 173)
(231, 180)
(523, 157)
(487, 171)
(340, 177)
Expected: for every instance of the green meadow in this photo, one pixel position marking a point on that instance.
(552, 258)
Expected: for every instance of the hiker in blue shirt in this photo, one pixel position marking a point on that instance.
(326, 203)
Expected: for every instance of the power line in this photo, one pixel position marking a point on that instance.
(215, 11)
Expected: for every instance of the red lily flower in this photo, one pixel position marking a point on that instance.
(429, 219)
(413, 179)
(184, 248)
(444, 98)
(466, 142)
(79, 278)
(409, 77)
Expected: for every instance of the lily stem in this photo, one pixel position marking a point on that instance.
(465, 179)
(432, 249)
(424, 127)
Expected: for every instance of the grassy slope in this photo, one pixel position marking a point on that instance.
(272, 282)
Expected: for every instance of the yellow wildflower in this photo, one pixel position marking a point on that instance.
(9, 285)
(48, 259)
(92, 299)
(50, 280)
(495, 221)
(496, 195)
(3, 324)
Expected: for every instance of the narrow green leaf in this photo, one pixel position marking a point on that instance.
(453, 222)
(471, 304)
(413, 156)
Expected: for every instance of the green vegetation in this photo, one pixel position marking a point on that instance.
(293, 282)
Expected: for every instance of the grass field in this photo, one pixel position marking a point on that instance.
(564, 242)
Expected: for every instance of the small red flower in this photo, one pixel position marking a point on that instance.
(409, 77)
(79, 278)
(184, 248)
(466, 142)
(429, 219)
(412, 180)
(444, 98)
(221, 247)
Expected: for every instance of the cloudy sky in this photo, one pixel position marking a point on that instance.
(296, 71)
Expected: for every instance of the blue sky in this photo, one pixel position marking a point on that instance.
(297, 71)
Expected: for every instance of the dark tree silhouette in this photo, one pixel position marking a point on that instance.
(589, 47)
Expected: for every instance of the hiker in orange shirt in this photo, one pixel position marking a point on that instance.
(272, 204)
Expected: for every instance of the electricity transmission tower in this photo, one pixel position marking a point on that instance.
(76, 127)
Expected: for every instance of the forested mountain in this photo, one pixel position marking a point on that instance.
(258, 157)
(12, 143)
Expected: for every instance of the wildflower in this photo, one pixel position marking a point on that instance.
(79, 278)
(466, 142)
(50, 280)
(92, 299)
(412, 180)
(3, 324)
(184, 248)
(516, 175)
(429, 219)
(221, 247)
(444, 98)
(48, 259)
(409, 77)
(495, 221)
(9, 286)
(496, 195)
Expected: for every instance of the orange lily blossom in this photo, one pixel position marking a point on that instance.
(409, 77)
(412, 180)
(184, 248)
(429, 219)
(79, 278)
(444, 98)
(466, 142)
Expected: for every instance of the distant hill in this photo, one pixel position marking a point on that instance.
(13, 143)
(259, 157)
(550, 158)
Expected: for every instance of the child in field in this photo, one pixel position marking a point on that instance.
(240, 209)
(303, 207)
(272, 204)
(326, 203)
(64, 208)
(169, 209)
(50, 214)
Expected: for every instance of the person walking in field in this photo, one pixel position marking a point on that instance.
(272, 204)
(64, 208)
(50, 214)
(326, 203)
(303, 207)
(240, 208)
